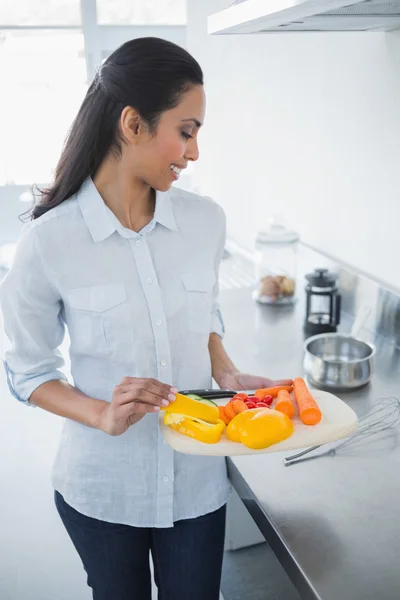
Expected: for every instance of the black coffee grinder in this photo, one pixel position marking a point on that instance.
(323, 303)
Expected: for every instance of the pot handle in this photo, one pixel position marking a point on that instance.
(338, 306)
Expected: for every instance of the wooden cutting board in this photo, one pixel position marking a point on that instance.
(338, 421)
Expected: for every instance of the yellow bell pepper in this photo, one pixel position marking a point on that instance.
(209, 433)
(184, 405)
(234, 428)
(265, 429)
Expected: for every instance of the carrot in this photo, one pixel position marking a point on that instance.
(233, 408)
(309, 411)
(284, 403)
(239, 406)
(272, 391)
(229, 411)
(223, 416)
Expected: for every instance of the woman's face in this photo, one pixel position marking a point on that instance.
(158, 158)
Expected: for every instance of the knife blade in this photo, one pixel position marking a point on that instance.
(208, 394)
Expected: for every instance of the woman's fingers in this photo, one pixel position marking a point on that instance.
(146, 391)
(279, 382)
(142, 397)
(151, 385)
(135, 408)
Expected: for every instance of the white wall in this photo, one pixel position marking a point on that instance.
(110, 37)
(307, 126)
(107, 39)
(11, 208)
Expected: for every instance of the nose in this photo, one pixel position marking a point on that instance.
(192, 150)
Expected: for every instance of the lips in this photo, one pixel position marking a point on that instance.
(176, 169)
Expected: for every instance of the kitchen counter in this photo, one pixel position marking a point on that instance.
(333, 522)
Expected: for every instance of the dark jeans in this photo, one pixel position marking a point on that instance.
(187, 557)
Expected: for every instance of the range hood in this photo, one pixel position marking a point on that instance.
(279, 16)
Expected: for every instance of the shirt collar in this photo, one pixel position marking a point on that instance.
(164, 212)
(102, 222)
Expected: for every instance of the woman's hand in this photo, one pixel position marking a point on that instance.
(243, 381)
(132, 399)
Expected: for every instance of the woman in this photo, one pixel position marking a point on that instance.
(130, 267)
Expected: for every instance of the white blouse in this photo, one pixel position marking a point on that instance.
(135, 304)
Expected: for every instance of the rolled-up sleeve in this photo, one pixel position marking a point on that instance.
(32, 318)
(217, 322)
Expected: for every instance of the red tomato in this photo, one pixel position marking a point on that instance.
(261, 405)
(269, 400)
(251, 405)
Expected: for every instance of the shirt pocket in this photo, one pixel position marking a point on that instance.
(198, 291)
(100, 318)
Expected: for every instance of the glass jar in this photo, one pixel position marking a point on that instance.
(276, 261)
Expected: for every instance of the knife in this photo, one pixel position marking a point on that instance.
(210, 393)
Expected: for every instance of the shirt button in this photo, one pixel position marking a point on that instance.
(158, 322)
(163, 363)
(149, 281)
(138, 242)
(166, 478)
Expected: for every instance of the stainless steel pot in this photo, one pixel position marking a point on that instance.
(338, 362)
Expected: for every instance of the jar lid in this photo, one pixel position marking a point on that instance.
(322, 278)
(277, 233)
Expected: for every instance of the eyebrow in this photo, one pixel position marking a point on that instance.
(195, 121)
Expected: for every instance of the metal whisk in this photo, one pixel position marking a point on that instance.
(383, 416)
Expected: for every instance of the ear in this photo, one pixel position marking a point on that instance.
(131, 125)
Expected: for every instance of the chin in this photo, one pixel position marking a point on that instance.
(162, 187)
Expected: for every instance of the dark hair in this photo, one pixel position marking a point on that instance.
(149, 74)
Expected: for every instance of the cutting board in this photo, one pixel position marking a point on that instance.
(338, 421)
